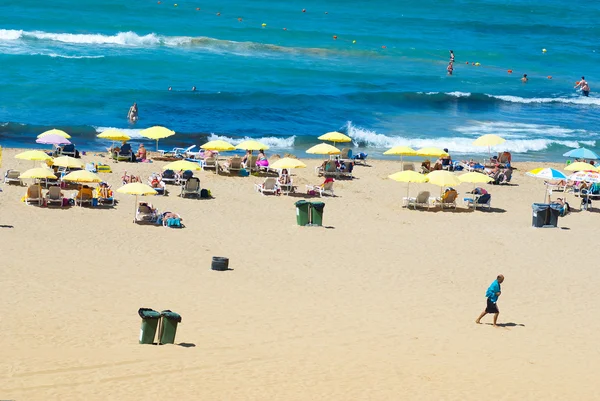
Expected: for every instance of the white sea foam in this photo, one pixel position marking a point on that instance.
(580, 100)
(369, 138)
(55, 55)
(458, 94)
(522, 130)
(274, 142)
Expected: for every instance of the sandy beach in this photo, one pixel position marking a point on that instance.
(379, 305)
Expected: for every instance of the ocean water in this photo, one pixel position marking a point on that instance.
(78, 66)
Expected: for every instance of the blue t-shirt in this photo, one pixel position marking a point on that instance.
(492, 290)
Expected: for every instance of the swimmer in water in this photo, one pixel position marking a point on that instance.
(524, 79)
(585, 87)
(193, 89)
(170, 88)
(450, 68)
(133, 113)
(451, 56)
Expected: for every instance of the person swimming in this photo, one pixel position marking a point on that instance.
(450, 68)
(584, 86)
(524, 79)
(132, 115)
(451, 56)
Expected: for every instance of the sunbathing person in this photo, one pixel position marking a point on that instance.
(426, 167)
(170, 219)
(103, 191)
(262, 161)
(141, 153)
(284, 177)
(564, 206)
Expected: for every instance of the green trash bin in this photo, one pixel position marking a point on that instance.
(168, 327)
(150, 319)
(302, 208)
(316, 213)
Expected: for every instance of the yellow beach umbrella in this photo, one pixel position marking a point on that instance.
(68, 162)
(82, 176)
(182, 165)
(443, 178)
(335, 137)
(137, 188)
(55, 132)
(252, 145)
(408, 177)
(38, 172)
(287, 163)
(156, 132)
(401, 151)
(580, 166)
(114, 135)
(431, 152)
(489, 140)
(33, 155)
(218, 145)
(475, 178)
(323, 149)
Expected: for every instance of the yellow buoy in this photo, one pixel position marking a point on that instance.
(354, 41)
(543, 50)
(263, 25)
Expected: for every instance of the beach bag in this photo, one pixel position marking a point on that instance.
(173, 222)
(204, 194)
(243, 173)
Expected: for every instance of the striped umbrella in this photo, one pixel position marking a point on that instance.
(546, 174)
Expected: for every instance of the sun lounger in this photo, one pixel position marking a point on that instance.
(250, 164)
(67, 150)
(209, 163)
(421, 200)
(447, 200)
(323, 189)
(34, 195)
(476, 167)
(408, 166)
(234, 165)
(125, 154)
(479, 201)
(269, 186)
(84, 195)
(12, 177)
(191, 187)
(54, 195)
(146, 213)
(104, 194)
(169, 177)
(184, 177)
(360, 158)
(287, 187)
(176, 152)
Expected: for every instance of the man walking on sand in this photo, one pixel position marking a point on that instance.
(492, 294)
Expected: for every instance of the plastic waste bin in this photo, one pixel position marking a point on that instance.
(545, 214)
(150, 319)
(302, 208)
(316, 213)
(168, 327)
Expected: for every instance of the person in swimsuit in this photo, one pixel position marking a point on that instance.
(450, 68)
(585, 87)
(524, 79)
(133, 113)
(451, 56)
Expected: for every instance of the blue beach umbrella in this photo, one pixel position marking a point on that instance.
(581, 153)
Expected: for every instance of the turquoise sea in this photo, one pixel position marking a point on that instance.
(78, 66)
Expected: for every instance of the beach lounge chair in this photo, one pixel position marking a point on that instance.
(286, 187)
(324, 189)
(184, 177)
(361, 158)
(479, 201)
(54, 195)
(34, 195)
(331, 169)
(250, 164)
(234, 165)
(421, 200)
(68, 150)
(269, 186)
(125, 154)
(408, 166)
(84, 195)
(169, 177)
(209, 163)
(146, 213)
(176, 152)
(191, 187)
(346, 168)
(346, 155)
(470, 168)
(447, 200)
(12, 177)
(105, 195)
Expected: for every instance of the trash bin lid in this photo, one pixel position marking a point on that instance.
(147, 313)
(318, 205)
(301, 202)
(538, 207)
(167, 314)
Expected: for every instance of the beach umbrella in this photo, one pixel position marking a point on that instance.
(401, 151)
(335, 137)
(489, 140)
(157, 133)
(82, 176)
(587, 176)
(431, 152)
(546, 174)
(252, 145)
(582, 153)
(137, 188)
(68, 162)
(408, 177)
(55, 132)
(219, 146)
(38, 172)
(53, 139)
(182, 165)
(580, 166)
(114, 135)
(443, 178)
(33, 155)
(323, 149)
(287, 163)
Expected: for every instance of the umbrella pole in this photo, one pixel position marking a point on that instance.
(401, 163)
(407, 191)
(135, 207)
(157, 145)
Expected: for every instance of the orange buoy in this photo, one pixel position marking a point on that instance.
(383, 47)
(466, 62)
(509, 71)
(576, 82)
(549, 76)
(285, 29)
(334, 37)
